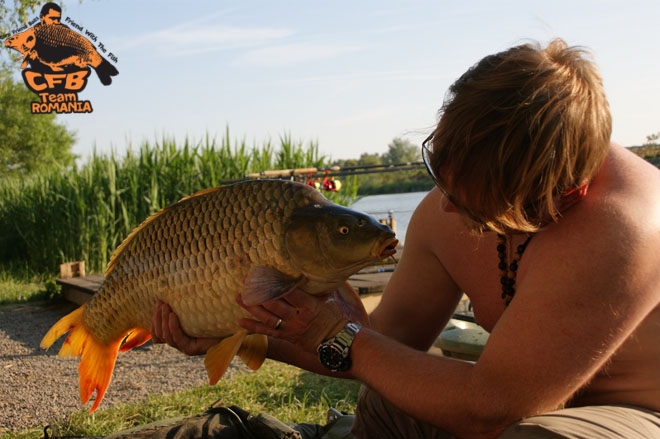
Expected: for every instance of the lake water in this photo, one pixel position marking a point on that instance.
(400, 206)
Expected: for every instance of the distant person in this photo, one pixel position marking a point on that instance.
(554, 234)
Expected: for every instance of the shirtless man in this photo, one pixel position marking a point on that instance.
(521, 154)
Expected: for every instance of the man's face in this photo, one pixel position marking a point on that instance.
(52, 17)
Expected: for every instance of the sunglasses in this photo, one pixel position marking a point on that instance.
(426, 157)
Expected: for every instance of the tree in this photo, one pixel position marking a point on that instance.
(29, 143)
(652, 139)
(13, 16)
(369, 159)
(401, 151)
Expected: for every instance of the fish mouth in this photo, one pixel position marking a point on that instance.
(387, 248)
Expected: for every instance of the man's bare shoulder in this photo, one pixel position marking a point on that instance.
(629, 182)
(624, 204)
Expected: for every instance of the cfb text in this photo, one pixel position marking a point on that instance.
(39, 82)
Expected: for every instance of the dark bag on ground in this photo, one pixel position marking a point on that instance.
(218, 422)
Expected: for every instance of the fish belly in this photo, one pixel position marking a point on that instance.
(205, 304)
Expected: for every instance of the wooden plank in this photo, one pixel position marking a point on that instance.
(80, 289)
(91, 283)
(72, 269)
(371, 280)
(76, 296)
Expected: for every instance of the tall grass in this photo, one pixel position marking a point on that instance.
(84, 213)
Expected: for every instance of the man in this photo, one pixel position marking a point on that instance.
(552, 232)
(51, 13)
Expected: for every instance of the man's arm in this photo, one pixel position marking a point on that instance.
(585, 284)
(420, 297)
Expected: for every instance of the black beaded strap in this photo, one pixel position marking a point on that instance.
(508, 271)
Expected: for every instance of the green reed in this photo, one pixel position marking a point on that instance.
(84, 213)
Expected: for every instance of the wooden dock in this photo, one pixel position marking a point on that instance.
(79, 288)
(465, 342)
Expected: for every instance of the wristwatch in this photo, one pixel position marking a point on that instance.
(334, 353)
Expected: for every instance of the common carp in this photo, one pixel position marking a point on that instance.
(257, 238)
(58, 47)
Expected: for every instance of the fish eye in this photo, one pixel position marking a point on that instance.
(344, 230)
(30, 38)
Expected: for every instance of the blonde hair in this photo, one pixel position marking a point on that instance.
(519, 129)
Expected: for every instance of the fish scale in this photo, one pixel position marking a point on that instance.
(61, 36)
(256, 238)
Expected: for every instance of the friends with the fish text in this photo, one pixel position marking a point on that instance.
(551, 230)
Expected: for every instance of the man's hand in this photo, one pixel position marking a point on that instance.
(166, 328)
(306, 320)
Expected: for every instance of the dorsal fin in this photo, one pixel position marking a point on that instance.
(200, 193)
(131, 236)
(129, 239)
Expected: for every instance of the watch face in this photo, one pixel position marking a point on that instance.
(334, 353)
(332, 357)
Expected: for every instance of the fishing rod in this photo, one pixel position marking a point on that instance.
(338, 170)
(331, 172)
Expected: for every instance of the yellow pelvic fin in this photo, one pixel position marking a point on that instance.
(97, 359)
(219, 356)
(253, 350)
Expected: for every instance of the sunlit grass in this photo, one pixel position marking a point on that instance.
(23, 288)
(283, 391)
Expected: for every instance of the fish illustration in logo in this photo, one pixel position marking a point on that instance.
(58, 47)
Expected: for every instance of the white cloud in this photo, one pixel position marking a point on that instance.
(295, 53)
(190, 38)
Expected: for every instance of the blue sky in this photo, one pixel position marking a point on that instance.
(348, 74)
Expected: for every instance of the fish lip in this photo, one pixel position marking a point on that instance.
(386, 248)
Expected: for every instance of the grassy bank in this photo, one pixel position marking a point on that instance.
(18, 285)
(285, 392)
(84, 213)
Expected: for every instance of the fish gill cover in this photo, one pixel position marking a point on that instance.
(60, 61)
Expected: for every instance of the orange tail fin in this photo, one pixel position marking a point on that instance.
(97, 359)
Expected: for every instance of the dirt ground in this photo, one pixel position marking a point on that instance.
(37, 387)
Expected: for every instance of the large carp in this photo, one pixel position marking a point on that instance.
(257, 238)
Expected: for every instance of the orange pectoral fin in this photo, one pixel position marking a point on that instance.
(253, 350)
(219, 356)
(97, 359)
